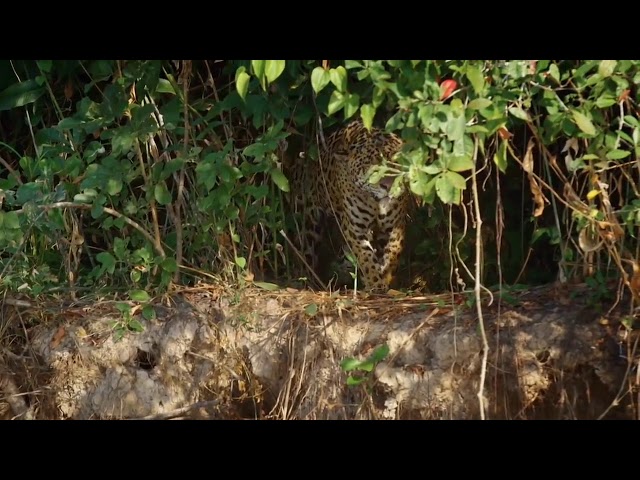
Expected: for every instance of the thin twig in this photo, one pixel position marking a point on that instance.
(301, 257)
(477, 287)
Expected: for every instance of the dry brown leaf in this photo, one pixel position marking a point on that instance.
(68, 90)
(57, 338)
(536, 191)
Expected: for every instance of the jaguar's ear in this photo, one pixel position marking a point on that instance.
(352, 130)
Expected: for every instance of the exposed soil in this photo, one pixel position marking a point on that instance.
(212, 353)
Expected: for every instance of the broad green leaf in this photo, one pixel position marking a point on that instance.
(273, 69)
(519, 113)
(169, 264)
(617, 154)
(336, 102)
(351, 105)
(583, 123)
(135, 325)
(455, 127)
(479, 103)
(607, 68)
(367, 112)
(380, 353)
(554, 72)
(500, 157)
(446, 191)
(148, 312)
(320, 78)
(139, 296)
(241, 262)
(267, 286)
(349, 64)
(418, 181)
(242, 82)
(45, 65)
(161, 194)
(10, 220)
(280, 179)
(114, 186)
(456, 180)
(165, 86)
(258, 70)
(107, 260)
(349, 364)
(311, 309)
(354, 381)
(459, 163)
(605, 101)
(474, 74)
(338, 77)
(20, 94)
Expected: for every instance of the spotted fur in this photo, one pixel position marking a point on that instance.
(337, 187)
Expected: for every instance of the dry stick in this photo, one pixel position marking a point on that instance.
(301, 257)
(6, 165)
(186, 75)
(109, 211)
(477, 287)
(178, 412)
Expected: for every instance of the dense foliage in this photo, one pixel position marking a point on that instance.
(137, 174)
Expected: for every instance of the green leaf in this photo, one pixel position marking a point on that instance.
(242, 82)
(606, 68)
(351, 105)
(279, 179)
(165, 86)
(459, 163)
(20, 94)
(380, 353)
(169, 264)
(135, 326)
(446, 190)
(139, 296)
(354, 381)
(474, 74)
(148, 312)
(418, 181)
(519, 113)
(45, 65)
(336, 102)
(605, 101)
(320, 78)
(349, 364)
(456, 180)
(583, 123)
(241, 262)
(455, 127)
(10, 220)
(107, 260)
(367, 112)
(161, 194)
(338, 77)
(267, 286)
(554, 72)
(479, 103)
(500, 157)
(311, 309)
(273, 69)
(258, 70)
(617, 154)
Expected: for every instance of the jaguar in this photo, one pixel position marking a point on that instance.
(370, 221)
